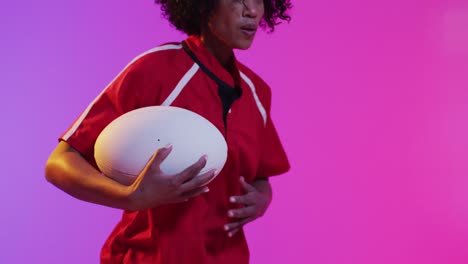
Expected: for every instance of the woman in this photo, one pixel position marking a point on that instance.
(178, 219)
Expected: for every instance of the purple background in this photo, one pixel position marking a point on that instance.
(370, 99)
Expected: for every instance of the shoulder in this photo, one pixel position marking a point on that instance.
(148, 77)
(252, 79)
(157, 58)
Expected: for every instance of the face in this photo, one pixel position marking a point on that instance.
(234, 23)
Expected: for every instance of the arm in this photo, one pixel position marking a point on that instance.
(67, 169)
(70, 172)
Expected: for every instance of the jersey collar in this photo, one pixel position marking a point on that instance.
(209, 60)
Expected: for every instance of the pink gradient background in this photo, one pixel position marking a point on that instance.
(370, 98)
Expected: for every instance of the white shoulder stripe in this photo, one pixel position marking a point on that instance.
(85, 113)
(259, 104)
(185, 79)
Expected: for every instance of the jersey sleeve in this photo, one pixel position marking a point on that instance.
(273, 160)
(119, 97)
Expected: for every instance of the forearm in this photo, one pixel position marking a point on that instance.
(70, 172)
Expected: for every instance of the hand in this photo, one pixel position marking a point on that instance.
(153, 188)
(255, 204)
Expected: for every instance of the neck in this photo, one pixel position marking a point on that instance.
(223, 54)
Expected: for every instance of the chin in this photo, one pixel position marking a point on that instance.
(243, 45)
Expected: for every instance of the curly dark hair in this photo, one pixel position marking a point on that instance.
(188, 15)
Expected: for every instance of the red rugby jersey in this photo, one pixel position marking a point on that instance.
(190, 232)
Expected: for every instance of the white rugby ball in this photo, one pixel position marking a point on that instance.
(126, 145)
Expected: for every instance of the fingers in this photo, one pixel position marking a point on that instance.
(245, 212)
(191, 171)
(231, 226)
(234, 227)
(198, 181)
(195, 186)
(195, 192)
(247, 199)
(159, 156)
(233, 232)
